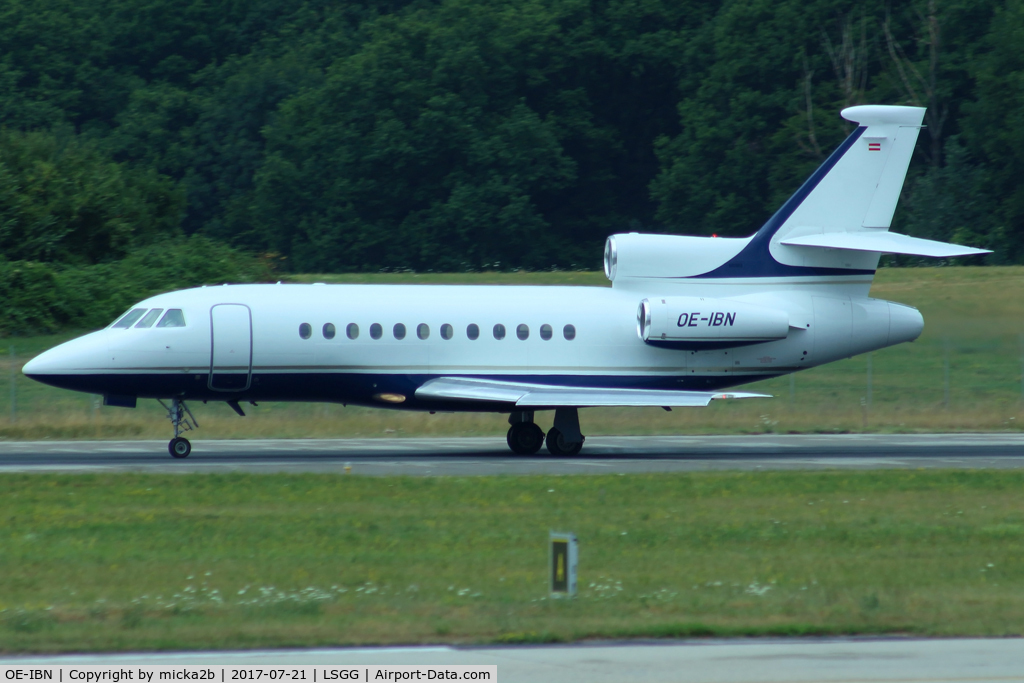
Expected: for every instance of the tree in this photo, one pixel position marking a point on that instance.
(63, 200)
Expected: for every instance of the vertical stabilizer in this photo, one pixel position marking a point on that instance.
(857, 193)
(835, 225)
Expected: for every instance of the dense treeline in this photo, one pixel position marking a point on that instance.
(460, 134)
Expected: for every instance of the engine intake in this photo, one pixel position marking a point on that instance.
(685, 322)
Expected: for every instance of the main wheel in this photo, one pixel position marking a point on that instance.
(525, 438)
(557, 445)
(179, 447)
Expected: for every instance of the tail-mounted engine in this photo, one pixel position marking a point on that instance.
(685, 322)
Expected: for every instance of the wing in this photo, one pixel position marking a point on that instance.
(538, 395)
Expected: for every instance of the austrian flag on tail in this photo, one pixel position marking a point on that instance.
(874, 146)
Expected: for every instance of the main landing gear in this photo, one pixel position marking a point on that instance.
(179, 447)
(564, 439)
(524, 436)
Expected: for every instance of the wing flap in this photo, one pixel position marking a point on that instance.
(883, 242)
(543, 395)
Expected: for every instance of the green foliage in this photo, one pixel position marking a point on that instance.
(472, 133)
(63, 200)
(951, 203)
(995, 129)
(774, 76)
(42, 297)
(453, 135)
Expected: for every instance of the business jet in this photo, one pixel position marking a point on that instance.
(685, 320)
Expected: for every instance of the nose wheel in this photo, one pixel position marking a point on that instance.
(179, 447)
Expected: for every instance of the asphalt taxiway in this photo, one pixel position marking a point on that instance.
(489, 455)
(902, 660)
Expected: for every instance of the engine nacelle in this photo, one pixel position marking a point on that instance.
(689, 322)
(628, 256)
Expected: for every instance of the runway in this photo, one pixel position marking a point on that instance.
(489, 456)
(698, 661)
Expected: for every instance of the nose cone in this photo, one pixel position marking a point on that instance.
(75, 358)
(905, 323)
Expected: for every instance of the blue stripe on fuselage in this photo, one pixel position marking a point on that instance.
(359, 388)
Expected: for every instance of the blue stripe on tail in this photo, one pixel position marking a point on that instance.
(755, 260)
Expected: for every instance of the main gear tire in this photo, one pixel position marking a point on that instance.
(525, 438)
(558, 446)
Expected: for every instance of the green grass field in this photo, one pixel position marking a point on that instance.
(974, 319)
(130, 561)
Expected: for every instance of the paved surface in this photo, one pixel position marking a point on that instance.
(726, 661)
(481, 456)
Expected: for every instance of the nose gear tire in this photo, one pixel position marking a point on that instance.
(179, 447)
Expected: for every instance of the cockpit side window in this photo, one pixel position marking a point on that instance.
(172, 318)
(129, 318)
(150, 318)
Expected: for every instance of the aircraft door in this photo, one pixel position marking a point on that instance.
(231, 347)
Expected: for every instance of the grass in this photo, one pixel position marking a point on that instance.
(974, 321)
(132, 561)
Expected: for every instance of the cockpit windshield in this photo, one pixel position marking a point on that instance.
(129, 318)
(172, 318)
(150, 318)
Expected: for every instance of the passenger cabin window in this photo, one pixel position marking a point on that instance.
(172, 318)
(499, 331)
(150, 318)
(569, 332)
(473, 331)
(376, 331)
(329, 331)
(129, 318)
(523, 332)
(305, 330)
(352, 331)
(399, 331)
(422, 330)
(545, 332)
(446, 331)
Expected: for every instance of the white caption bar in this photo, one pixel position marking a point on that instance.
(109, 673)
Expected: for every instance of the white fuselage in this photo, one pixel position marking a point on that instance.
(272, 360)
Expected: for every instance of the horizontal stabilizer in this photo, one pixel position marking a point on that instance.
(883, 242)
(553, 396)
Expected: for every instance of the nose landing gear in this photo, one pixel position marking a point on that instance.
(179, 447)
